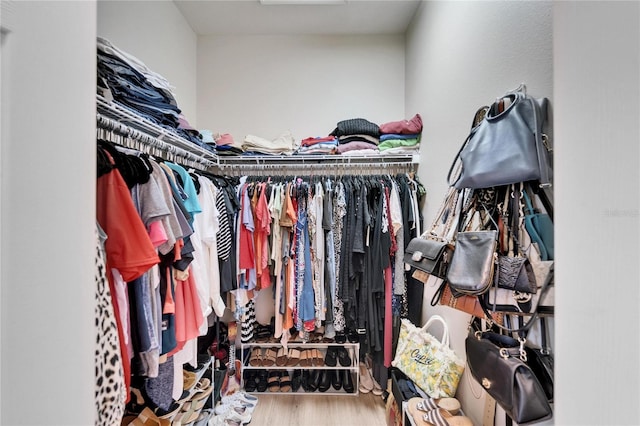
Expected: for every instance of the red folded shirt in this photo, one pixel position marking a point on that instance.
(403, 127)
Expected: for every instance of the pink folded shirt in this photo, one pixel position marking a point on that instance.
(403, 127)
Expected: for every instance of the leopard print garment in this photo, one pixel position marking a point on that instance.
(110, 393)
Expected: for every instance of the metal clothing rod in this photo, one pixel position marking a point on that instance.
(359, 169)
(122, 134)
(124, 116)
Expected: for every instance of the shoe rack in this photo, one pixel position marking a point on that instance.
(317, 364)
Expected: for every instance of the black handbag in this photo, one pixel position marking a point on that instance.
(430, 256)
(499, 364)
(472, 266)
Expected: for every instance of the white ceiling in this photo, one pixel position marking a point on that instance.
(252, 17)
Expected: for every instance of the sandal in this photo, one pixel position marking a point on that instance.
(281, 358)
(203, 390)
(256, 357)
(305, 360)
(263, 377)
(294, 357)
(148, 418)
(331, 359)
(274, 381)
(441, 416)
(250, 380)
(343, 357)
(424, 405)
(269, 358)
(285, 382)
(318, 359)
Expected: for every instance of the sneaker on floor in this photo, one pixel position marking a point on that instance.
(240, 396)
(238, 405)
(231, 417)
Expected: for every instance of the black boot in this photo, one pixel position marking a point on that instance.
(325, 380)
(313, 380)
(347, 381)
(336, 379)
(296, 380)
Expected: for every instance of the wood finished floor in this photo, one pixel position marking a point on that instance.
(319, 410)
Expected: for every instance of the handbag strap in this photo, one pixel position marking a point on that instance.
(445, 332)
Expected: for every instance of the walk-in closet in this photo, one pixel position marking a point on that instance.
(205, 208)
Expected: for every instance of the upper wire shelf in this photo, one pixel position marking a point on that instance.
(150, 134)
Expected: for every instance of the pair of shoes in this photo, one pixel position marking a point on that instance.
(256, 357)
(353, 336)
(282, 357)
(331, 358)
(250, 380)
(274, 381)
(262, 333)
(325, 379)
(203, 417)
(285, 382)
(347, 381)
(189, 379)
(269, 357)
(202, 390)
(366, 380)
(241, 397)
(293, 357)
(240, 406)
(231, 417)
(188, 414)
(148, 418)
(439, 416)
(310, 380)
(424, 405)
(343, 357)
(296, 380)
(262, 380)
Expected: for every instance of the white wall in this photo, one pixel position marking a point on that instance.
(264, 85)
(597, 93)
(460, 56)
(156, 33)
(48, 214)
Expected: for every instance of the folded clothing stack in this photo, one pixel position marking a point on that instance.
(401, 136)
(357, 136)
(225, 145)
(129, 82)
(320, 145)
(282, 145)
